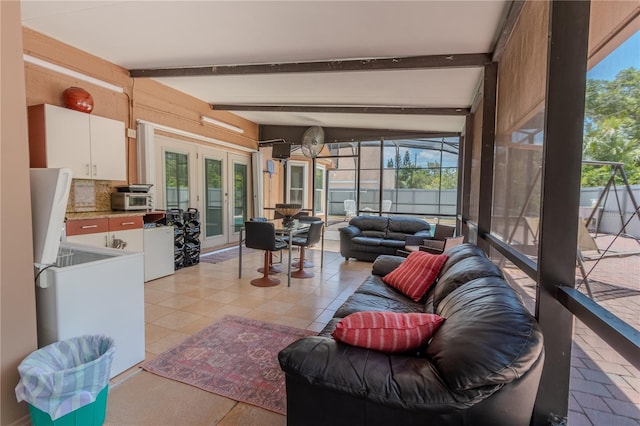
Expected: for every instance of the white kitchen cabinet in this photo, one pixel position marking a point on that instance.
(108, 149)
(92, 147)
(121, 232)
(97, 239)
(131, 240)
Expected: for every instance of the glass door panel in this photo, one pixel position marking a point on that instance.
(213, 197)
(176, 174)
(239, 207)
(176, 182)
(213, 193)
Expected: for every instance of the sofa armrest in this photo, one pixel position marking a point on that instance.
(418, 238)
(425, 235)
(397, 380)
(386, 263)
(413, 240)
(350, 231)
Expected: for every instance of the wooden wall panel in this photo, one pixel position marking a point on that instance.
(48, 49)
(150, 102)
(143, 99)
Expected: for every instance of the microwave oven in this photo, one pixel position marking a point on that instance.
(130, 201)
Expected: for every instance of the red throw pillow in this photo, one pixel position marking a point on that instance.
(387, 331)
(415, 275)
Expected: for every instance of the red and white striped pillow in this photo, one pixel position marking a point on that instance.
(416, 274)
(387, 331)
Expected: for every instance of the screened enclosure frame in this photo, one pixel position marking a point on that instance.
(563, 82)
(442, 145)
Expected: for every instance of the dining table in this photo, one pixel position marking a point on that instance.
(283, 230)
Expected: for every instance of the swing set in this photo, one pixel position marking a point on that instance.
(587, 249)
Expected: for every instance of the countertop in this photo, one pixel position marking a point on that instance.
(113, 213)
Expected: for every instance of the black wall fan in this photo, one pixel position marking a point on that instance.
(312, 141)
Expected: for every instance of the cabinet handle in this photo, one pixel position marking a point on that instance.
(95, 169)
(127, 223)
(89, 226)
(87, 170)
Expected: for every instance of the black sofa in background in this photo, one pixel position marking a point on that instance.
(367, 237)
(481, 367)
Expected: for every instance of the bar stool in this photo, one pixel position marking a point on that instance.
(262, 236)
(272, 268)
(307, 219)
(312, 237)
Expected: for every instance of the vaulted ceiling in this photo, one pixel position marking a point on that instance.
(403, 65)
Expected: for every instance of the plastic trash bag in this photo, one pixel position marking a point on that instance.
(66, 375)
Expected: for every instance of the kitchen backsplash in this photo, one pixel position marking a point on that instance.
(89, 195)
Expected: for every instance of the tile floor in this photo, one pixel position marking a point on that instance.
(605, 390)
(194, 297)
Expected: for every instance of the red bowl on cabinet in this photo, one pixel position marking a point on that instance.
(78, 99)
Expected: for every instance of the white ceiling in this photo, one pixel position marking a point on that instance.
(161, 34)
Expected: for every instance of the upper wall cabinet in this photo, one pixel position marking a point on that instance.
(92, 147)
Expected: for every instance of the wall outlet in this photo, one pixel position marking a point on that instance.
(131, 133)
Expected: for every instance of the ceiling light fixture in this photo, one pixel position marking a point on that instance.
(57, 68)
(219, 123)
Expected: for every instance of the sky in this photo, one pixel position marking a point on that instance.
(625, 56)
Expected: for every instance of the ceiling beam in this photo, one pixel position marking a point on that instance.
(403, 63)
(344, 109)
(515, 7)
(293, 134)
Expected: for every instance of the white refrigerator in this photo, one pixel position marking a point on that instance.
(82, 289)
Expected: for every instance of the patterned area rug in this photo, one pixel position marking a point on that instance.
(222, 255)
(234, 357)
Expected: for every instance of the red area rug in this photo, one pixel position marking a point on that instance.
(234, 357)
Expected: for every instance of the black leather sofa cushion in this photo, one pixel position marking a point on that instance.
(366, 241)
(331, 325)
(397, 244)
(406, 382)
(459, 252)
(374, 234)
(358, 302)
(386, 263)
(370, 223)
(460, 273)
(488, 338)
(406, 225)
(374, 286)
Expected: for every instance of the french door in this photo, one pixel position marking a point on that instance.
(216, 182)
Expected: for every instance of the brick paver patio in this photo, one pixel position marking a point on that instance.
(604, 387)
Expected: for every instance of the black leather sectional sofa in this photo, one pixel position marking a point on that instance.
(367, 237)
(482, 366)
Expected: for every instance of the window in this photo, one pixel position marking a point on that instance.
(297, 180)
(319, 202)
